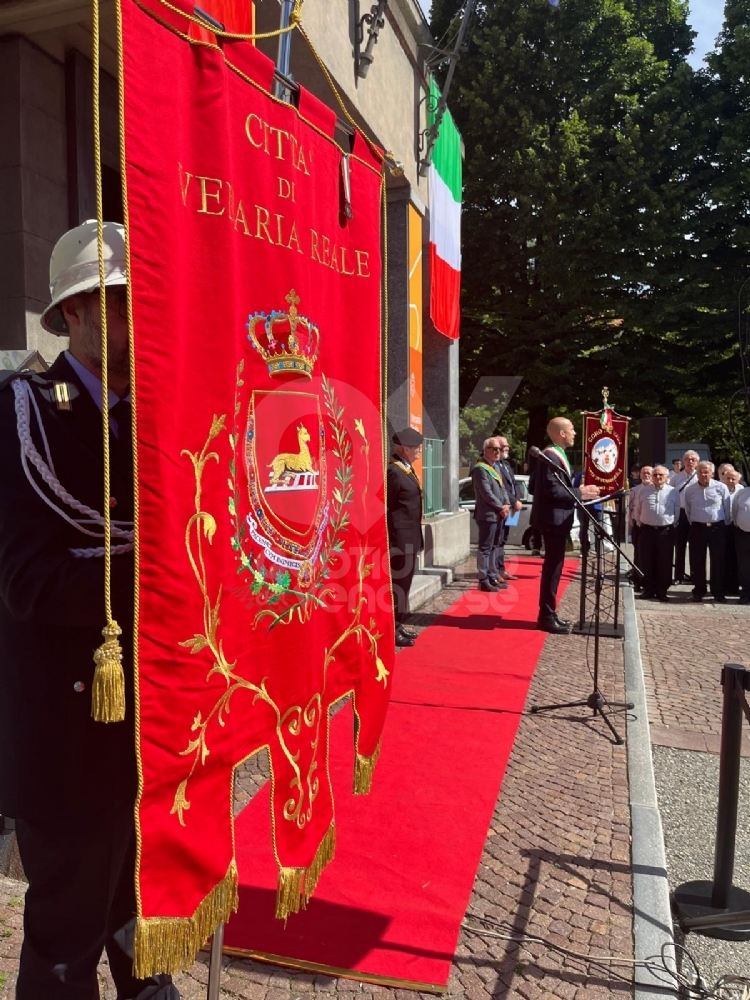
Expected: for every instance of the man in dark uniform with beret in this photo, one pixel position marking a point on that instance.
(68, 780)
(404, 509)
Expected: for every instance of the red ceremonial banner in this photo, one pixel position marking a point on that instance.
(263, 591)
(605, 450)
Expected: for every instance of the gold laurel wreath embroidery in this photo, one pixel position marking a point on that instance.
(202, 527)
(314, 596)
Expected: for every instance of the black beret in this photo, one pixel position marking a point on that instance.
(408, 437)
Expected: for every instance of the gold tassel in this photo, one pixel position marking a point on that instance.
(289, 892)
(323, 856)
(170, 944)
(364, 768)
(108, 694)
(296, 885)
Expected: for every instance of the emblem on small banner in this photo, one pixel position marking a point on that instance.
(605, 436)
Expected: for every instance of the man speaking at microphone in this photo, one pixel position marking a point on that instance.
(552, 513)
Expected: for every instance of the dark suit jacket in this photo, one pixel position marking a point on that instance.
(509, 479)
(404, 509)
(489, 496)
(553, 507)
(53, 757)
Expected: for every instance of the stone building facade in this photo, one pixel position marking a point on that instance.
(46, 180)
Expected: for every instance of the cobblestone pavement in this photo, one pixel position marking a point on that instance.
(683, 648)
(556, 864)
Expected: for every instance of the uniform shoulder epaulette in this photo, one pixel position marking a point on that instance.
(8, 376)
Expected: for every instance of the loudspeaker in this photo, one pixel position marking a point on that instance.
(652, 441)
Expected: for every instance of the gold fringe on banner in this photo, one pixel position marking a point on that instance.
(296, 885)
(170, 944)
(323, 856)
(364, 768)
(108, 692)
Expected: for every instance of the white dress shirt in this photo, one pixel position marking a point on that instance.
(741, 509)
(678, 480)
(658, 507)
(707, 504)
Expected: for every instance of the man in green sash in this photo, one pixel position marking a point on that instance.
(553, 513)
(491, 507)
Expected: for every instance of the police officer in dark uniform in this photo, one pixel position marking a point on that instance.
(404, 509)
(69, 781)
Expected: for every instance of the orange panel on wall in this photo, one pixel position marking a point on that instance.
(415, 323)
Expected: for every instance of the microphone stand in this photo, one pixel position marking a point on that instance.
(596, 700)
(613, 630)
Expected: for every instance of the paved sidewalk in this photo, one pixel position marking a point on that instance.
(556, 863)
(683, 648)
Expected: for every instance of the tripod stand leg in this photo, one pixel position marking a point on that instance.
(566, 704)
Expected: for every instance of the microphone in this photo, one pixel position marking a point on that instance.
(537, 453)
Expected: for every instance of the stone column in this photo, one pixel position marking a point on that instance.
(397, 344)
(33, 190)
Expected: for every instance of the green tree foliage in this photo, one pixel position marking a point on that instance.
(601, 196)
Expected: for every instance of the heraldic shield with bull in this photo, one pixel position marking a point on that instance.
(296, 518)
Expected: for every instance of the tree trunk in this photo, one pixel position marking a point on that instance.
(537, 426)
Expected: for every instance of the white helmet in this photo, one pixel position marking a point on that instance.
(74, 267)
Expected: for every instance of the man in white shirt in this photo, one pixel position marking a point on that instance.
(741, 524)
(634, 522)
(707, 506)
(731, 479)
(680, 481)
(658, 507)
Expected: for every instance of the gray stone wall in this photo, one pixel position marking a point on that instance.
(33, 189)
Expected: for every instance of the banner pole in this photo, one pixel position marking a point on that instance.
(214, 964)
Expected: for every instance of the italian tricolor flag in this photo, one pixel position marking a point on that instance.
(445, 223)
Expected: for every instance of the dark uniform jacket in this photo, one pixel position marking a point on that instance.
(553, 506)
(53, 756)
(404, 508)
(489, 496)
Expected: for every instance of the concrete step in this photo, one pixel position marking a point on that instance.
(423, 587)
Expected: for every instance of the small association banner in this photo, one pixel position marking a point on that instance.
(605, 436)
(263, 589)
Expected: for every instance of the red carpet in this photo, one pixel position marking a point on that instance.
(388, 909)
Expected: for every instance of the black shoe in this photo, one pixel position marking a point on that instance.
(408, 631)
(663, 599)
(403, 640)
(488, 587)
(552, 626)
(498, 584)
(563, 622)
(646, 595)
(720, 600)
(696, 597)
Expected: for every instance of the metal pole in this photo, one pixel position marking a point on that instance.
(616, 536)
(284, 58)
(443, 102)
(214, 964)
(733, 681)
(585, 546)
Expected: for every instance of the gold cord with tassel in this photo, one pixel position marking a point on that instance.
(108, 694)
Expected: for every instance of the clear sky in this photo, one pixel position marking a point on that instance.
(705, 16)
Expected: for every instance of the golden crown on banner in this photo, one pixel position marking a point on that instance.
(289, 343)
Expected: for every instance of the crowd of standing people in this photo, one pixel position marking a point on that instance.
(696, 510)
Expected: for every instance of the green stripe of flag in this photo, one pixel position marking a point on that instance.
(447, 153)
